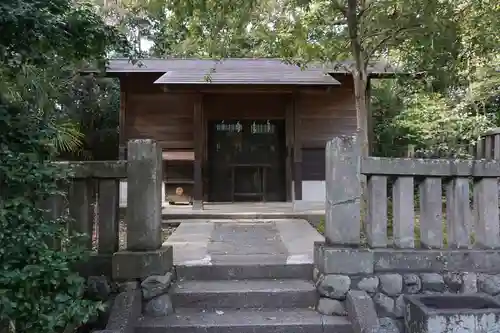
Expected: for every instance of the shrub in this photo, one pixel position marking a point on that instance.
(39, 292)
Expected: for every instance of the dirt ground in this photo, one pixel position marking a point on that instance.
(167, 231)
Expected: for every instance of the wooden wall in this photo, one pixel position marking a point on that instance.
(244, 106)
(324, 116)
(150, 112)
(320, 118)
(167, 118)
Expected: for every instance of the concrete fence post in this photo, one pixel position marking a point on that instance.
(343, 191)
(144, 177)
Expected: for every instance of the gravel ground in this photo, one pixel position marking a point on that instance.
(167, 231)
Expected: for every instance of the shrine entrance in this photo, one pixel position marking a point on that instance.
(246, 160)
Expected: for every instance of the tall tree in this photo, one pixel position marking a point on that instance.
(463, 44)
(399, 31)
(363, 31)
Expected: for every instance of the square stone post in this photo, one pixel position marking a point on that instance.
(343, 191)
(144, 177)
(458, 213)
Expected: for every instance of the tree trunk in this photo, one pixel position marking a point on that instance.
(360, 76)
(361, 100)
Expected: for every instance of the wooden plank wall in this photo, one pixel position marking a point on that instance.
(151, 112)
(167, 118)
(321, 118)
(244, 106)
(324, 116)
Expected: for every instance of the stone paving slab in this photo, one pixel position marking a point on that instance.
(249, 259)
(246, 238)
(190, 243)
(312, 211)
(242, 242)
(298, 235)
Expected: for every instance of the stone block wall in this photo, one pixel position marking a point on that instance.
(388, 274)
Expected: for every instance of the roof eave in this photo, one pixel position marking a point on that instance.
(240, 78)
(291, 84)
(118, 73)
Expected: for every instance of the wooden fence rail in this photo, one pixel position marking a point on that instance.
(435, 203)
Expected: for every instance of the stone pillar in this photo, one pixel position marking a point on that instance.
(403, 212)
(144, 183)
(343, 191)
(486, 213)
(431, 213)
(458, 213)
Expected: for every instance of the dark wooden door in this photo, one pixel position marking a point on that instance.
(246, 160)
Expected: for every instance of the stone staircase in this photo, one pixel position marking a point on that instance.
(228, 298)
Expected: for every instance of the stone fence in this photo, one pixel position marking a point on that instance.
(471, 208)
(93, 205)
(422, 226)
(114, 267)
(488, 146)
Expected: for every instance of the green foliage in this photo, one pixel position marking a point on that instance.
(67, 138)
(42, 45)
(321, 225)
(435, 125)
(437, 129)
(44, 32)
(463, 40)
(92, 106)
(198, 28)
(39, 293)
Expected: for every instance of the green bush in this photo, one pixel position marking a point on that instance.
(39, 292)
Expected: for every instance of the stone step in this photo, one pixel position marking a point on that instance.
(245, 321)
(234, 294)
(245, 271)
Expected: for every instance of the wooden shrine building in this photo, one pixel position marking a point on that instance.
(239, 129)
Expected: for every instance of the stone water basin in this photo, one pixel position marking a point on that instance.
(452, 313)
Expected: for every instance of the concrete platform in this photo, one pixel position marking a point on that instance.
(247, 210)
(244, 242)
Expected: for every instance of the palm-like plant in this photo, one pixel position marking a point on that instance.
(68, 138)
(88, 124)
